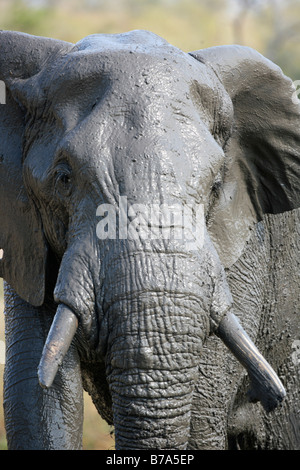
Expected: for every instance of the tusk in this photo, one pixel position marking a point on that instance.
(265, 384)
(59, 338)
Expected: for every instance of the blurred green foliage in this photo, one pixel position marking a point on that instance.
(270, 26)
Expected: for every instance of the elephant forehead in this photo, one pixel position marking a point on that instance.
(136, 38)
(124, 61)
(121, 90)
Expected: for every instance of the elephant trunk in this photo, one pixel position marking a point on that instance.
(151, 369)
(157, 315)
(151, 410)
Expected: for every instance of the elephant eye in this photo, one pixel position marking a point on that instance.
(63, 182)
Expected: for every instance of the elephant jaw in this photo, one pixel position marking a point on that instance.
(60, 336)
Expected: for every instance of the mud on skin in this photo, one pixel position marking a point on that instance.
(155, 331)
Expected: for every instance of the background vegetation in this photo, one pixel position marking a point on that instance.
(270, 26)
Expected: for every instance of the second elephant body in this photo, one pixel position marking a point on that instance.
(265, 286)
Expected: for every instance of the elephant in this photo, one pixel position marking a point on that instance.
(164, 319)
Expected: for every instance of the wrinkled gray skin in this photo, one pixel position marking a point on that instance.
(130, 115)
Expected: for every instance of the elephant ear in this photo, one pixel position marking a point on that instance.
(263, 152)
(21, 234)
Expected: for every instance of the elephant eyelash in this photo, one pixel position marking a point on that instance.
(64, 178)
(215, 191)
(63, 182)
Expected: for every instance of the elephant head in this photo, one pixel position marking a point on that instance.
(130, 118)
